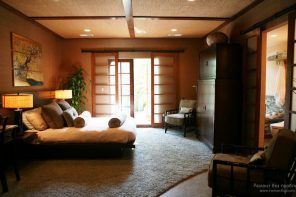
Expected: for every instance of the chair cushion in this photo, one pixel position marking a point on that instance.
(184, 110)
(239, 173)
(175, 119)
(187, 103)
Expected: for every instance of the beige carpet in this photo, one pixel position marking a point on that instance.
(158, 162)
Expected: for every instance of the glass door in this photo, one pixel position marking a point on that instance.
(125, 86)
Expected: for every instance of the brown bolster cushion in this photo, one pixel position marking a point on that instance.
(117, 120)
(82, 119)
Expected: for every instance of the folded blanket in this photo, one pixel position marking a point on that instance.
(117, 120)
(82, 119)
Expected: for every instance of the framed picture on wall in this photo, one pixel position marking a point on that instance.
(26, 61)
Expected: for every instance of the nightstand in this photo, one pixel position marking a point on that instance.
(7, 143)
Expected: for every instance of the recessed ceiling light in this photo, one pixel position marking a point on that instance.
(113, 18)
(274, 35)
(174, 29)
(174, 35)
(190, 0)
(87, 30)
(86, 35)
(140, 31)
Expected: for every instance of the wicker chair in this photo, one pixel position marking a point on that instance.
(231, 173)
(183, 117)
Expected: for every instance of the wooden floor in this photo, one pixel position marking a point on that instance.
(195, 186)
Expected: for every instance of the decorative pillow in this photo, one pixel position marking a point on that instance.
(82, 119)
(117, 121)
(257, 158)
(69, 115)
(34, 120)
(53, 115)
(184, 110)
(64, 104)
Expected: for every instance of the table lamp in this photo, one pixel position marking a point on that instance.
(63, 94)
(18, 102)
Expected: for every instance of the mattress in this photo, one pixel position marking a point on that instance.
(96, 131)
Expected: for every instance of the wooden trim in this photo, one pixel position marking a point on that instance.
(76, 17)
(114, 50)
(22, 15)
(132, 96)
(152, 89)
(290, 64)
(128, 10)
(237, 15)
(93, 88)
(269, 19)
(262, 87)
(182, 18)
(122, 17)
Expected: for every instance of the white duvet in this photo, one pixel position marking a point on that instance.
(96, 131)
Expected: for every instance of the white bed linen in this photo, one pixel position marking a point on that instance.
(96, 131)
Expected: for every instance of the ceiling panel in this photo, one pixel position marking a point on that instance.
(162, 28)
(68, 7)
(198, 8)
(99, 28)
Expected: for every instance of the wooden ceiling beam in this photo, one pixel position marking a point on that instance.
(181, 18)
(76, 17)
(121, 17)
(128, 10)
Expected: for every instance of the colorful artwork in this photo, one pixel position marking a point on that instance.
(26, 60)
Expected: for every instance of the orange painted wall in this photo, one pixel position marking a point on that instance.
(188, 60)
(51, 51)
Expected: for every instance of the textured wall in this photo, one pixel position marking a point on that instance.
(50, 60)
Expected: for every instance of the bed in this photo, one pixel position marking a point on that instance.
(96, 139)
(274, 114)
(96, 131)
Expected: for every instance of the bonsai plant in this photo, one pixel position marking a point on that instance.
(76, 83)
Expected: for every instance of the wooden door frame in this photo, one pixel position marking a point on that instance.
(131, 61)
(263, 35)
(290, 66)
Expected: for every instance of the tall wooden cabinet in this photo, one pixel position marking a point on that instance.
(219, 98)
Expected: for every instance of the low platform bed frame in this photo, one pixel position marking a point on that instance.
(29, 148)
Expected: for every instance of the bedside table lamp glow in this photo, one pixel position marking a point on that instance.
(63, 94)
(18, 102)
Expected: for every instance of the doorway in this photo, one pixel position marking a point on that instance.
(142, 91)
(274, 62)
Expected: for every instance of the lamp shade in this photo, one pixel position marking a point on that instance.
(63, 94)
(17, 101)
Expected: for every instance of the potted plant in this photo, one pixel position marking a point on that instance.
(77, 84)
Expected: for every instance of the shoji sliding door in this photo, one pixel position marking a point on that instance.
(104, 84)
(164, 85)
(112, 85)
